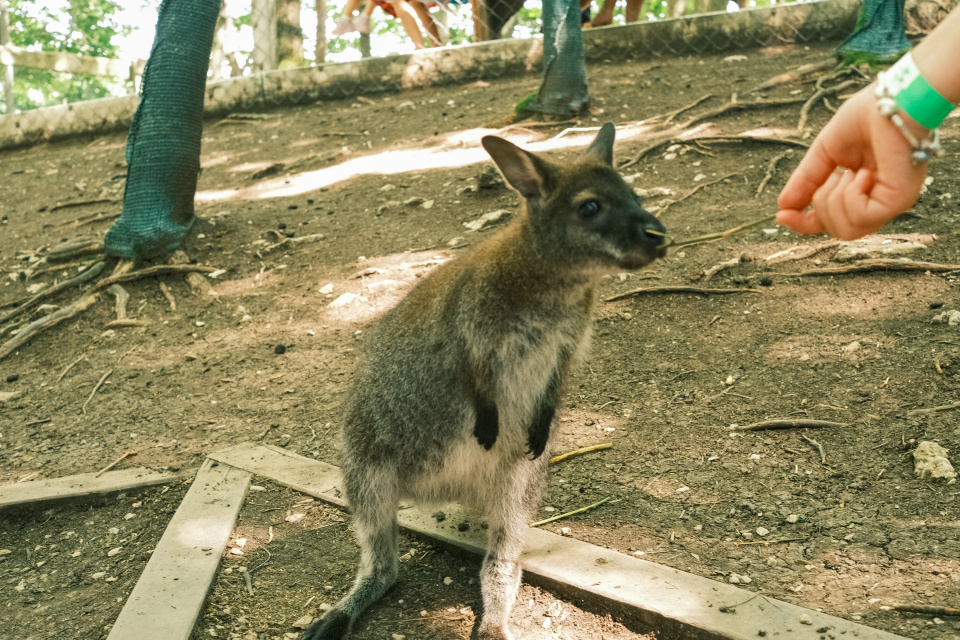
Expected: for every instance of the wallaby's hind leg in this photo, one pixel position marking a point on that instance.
(374, 504)
(500, 573)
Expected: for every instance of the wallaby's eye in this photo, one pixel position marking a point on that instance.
(589, 208)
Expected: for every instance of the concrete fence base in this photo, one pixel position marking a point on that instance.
(708, 33)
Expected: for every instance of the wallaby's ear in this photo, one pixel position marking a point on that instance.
(602, 145)
(524, 171)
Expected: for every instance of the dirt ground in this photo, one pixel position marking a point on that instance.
(389, 181)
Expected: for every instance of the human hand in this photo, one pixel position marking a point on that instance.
(881, 181)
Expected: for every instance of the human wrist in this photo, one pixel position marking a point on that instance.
(904, 86)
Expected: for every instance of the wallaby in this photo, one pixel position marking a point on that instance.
(461, 380)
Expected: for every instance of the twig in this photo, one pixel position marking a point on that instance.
(158, 270)
(115, 463)
(788, 424)
(877, 264)
(577, 452)
(38, 326)
(823, 456)
(95, 389)
(121, 309)
(249, 582)
(801, 252)
(75, 249)
(720, 266)
(677, 289)
(743, 544)
(739, 106)
(69, 366)
(945, 407)
(693, 191)
(710, 237)
(926, 608)
(80, 203)
(796, 74)
(316, 237)
(37, 423)
(711, 140)
(570, 513)
(820, 93)
(96, 217)
(84, 276)
(165, 290)
(771, 168)
(668, 117)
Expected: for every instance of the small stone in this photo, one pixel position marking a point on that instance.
(699, 177)
(487, 220)
(766, 281)
(930, 460)
(98, 575)
(463, 526)
(448, 581)
(129, 515)
(295, 517)
(280, 349)
(805, 619)
(113, 552)
(199, 323)
(327, 288)
(439, 516)
(13, 377)
(303, 622)
(793, 518)
(761, 531)
(343, 300)
(236, 552)
(733, 579)
(397, 636)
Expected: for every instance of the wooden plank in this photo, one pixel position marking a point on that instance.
(676, 603)
(68, 62)
(169, 596)
(82, 485)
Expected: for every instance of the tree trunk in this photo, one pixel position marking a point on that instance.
(320, 53)
(7, 69)
(217, 56)
(289, 35)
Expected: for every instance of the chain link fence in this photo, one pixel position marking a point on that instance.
(266, 52)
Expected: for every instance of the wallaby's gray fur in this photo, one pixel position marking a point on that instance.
(461, 380)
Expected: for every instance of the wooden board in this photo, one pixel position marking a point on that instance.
(82, 485)
(169, 596)
(675, 603)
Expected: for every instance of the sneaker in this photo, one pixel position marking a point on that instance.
(346, 25)
(362, 23)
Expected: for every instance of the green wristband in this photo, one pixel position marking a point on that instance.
(915, 95)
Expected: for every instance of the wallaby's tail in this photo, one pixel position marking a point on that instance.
(374, 504)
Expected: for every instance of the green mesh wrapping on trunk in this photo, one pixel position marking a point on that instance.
(563, 91)
(879, 35)
(163, 147)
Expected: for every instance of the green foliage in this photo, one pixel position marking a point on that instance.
(85, 27)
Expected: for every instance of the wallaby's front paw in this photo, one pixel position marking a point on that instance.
(487, 427)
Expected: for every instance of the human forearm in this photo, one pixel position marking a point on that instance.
(937, 55)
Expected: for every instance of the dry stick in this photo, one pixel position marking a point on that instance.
(94, 218)
(801, 252)
(570, 513)
(158, 270)
(678, 289)
(84, 276)
(75, 249)
(720, 266)
(926, 608)
(946, 407)
(789, 424)
(115, 463)
(37, 423)
(165, 290)
(796, 74)
(577, 452)
(95, 389)
(673, 114)
(79, 203)
(821, 93)
(771, 168)
(823, 456)
(249, 582)
(69, 366)
(739, 106)
(876, 264)
(693, 191)
(44, 323)
(710, 237)
(711, 139)
(741, 544)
